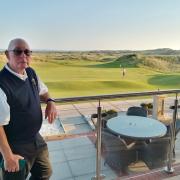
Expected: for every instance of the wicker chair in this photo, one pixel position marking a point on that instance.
(155, 154)
(177, 126)
(177, 121)
(137, 111)
(118, 154)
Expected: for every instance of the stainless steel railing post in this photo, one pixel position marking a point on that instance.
(169, 168)
(98, 176)
(174, 121)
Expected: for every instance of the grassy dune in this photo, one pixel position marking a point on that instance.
(78, 75)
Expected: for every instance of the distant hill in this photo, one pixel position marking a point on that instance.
(164, 60)
(160, 63)
(163, 51)
(160, 51)
(157, 63)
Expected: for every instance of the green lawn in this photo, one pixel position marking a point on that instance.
(80, 78)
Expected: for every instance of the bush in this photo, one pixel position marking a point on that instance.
(147, 105)
(106, 115)
(111, 111)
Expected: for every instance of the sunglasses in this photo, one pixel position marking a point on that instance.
(18, 52)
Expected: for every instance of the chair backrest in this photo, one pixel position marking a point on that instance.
(177, 126)
(155, 154)
(116, 153)
(136, 111)
(112, 142)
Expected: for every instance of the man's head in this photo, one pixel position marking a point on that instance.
(18, 55)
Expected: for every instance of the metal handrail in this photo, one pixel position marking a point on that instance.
(113, 96)
(98, 176)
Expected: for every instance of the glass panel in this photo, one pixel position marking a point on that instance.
(74, 141)
(131, 156)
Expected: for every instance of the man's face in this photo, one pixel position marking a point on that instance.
(19, 56)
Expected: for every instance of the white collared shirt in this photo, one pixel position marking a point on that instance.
(4, 106)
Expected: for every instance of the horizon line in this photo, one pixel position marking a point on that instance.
(88, 50)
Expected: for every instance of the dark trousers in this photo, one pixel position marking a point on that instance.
(40, 166)
(37, 163)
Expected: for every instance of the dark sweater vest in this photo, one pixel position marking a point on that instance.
(25, 110)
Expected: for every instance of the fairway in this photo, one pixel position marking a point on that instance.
(69, 78)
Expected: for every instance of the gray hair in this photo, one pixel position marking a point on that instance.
(14, 41)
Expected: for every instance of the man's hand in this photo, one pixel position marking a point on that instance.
(51, 111)
(11, 164)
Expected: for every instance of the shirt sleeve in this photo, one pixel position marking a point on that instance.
(4, 109)
(42, 87)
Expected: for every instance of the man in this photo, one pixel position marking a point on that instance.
(21, 115)
(124, 72)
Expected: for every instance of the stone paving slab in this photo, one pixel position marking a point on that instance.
(88, 111)
(85, 166)
(109, 175)
(84, 105)
(80, 152)
(77, 129)
(69, 113)
(58, 156)
(75, 159)
(61, 171)
(72, 120)
(75, 142)
(54, 145)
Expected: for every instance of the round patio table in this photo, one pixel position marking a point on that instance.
(136, 127)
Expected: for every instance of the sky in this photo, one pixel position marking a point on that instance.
(91, 24)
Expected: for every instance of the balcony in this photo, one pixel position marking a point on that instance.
(73, 139)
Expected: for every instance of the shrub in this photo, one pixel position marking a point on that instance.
(147, 105)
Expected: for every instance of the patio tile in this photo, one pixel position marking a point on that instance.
(54, 145)
(88, 111)
(84, 105)
(107, 106)
(85, 177)
(61, 171)
(73, 120)
(75, 142)
(85, 166)
(115, 107)
(89, 121)
(77, 129)
(66, 107)
(57, 156)
(69, 113)
(89, 176)
(119, 103)
(81, 152)
(109, 175)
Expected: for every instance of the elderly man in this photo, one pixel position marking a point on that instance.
(21, 115)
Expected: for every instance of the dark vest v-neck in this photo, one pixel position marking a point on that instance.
(25, 110)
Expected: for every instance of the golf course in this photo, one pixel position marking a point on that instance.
(93, 73)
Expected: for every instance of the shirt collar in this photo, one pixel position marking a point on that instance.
(20, 76)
